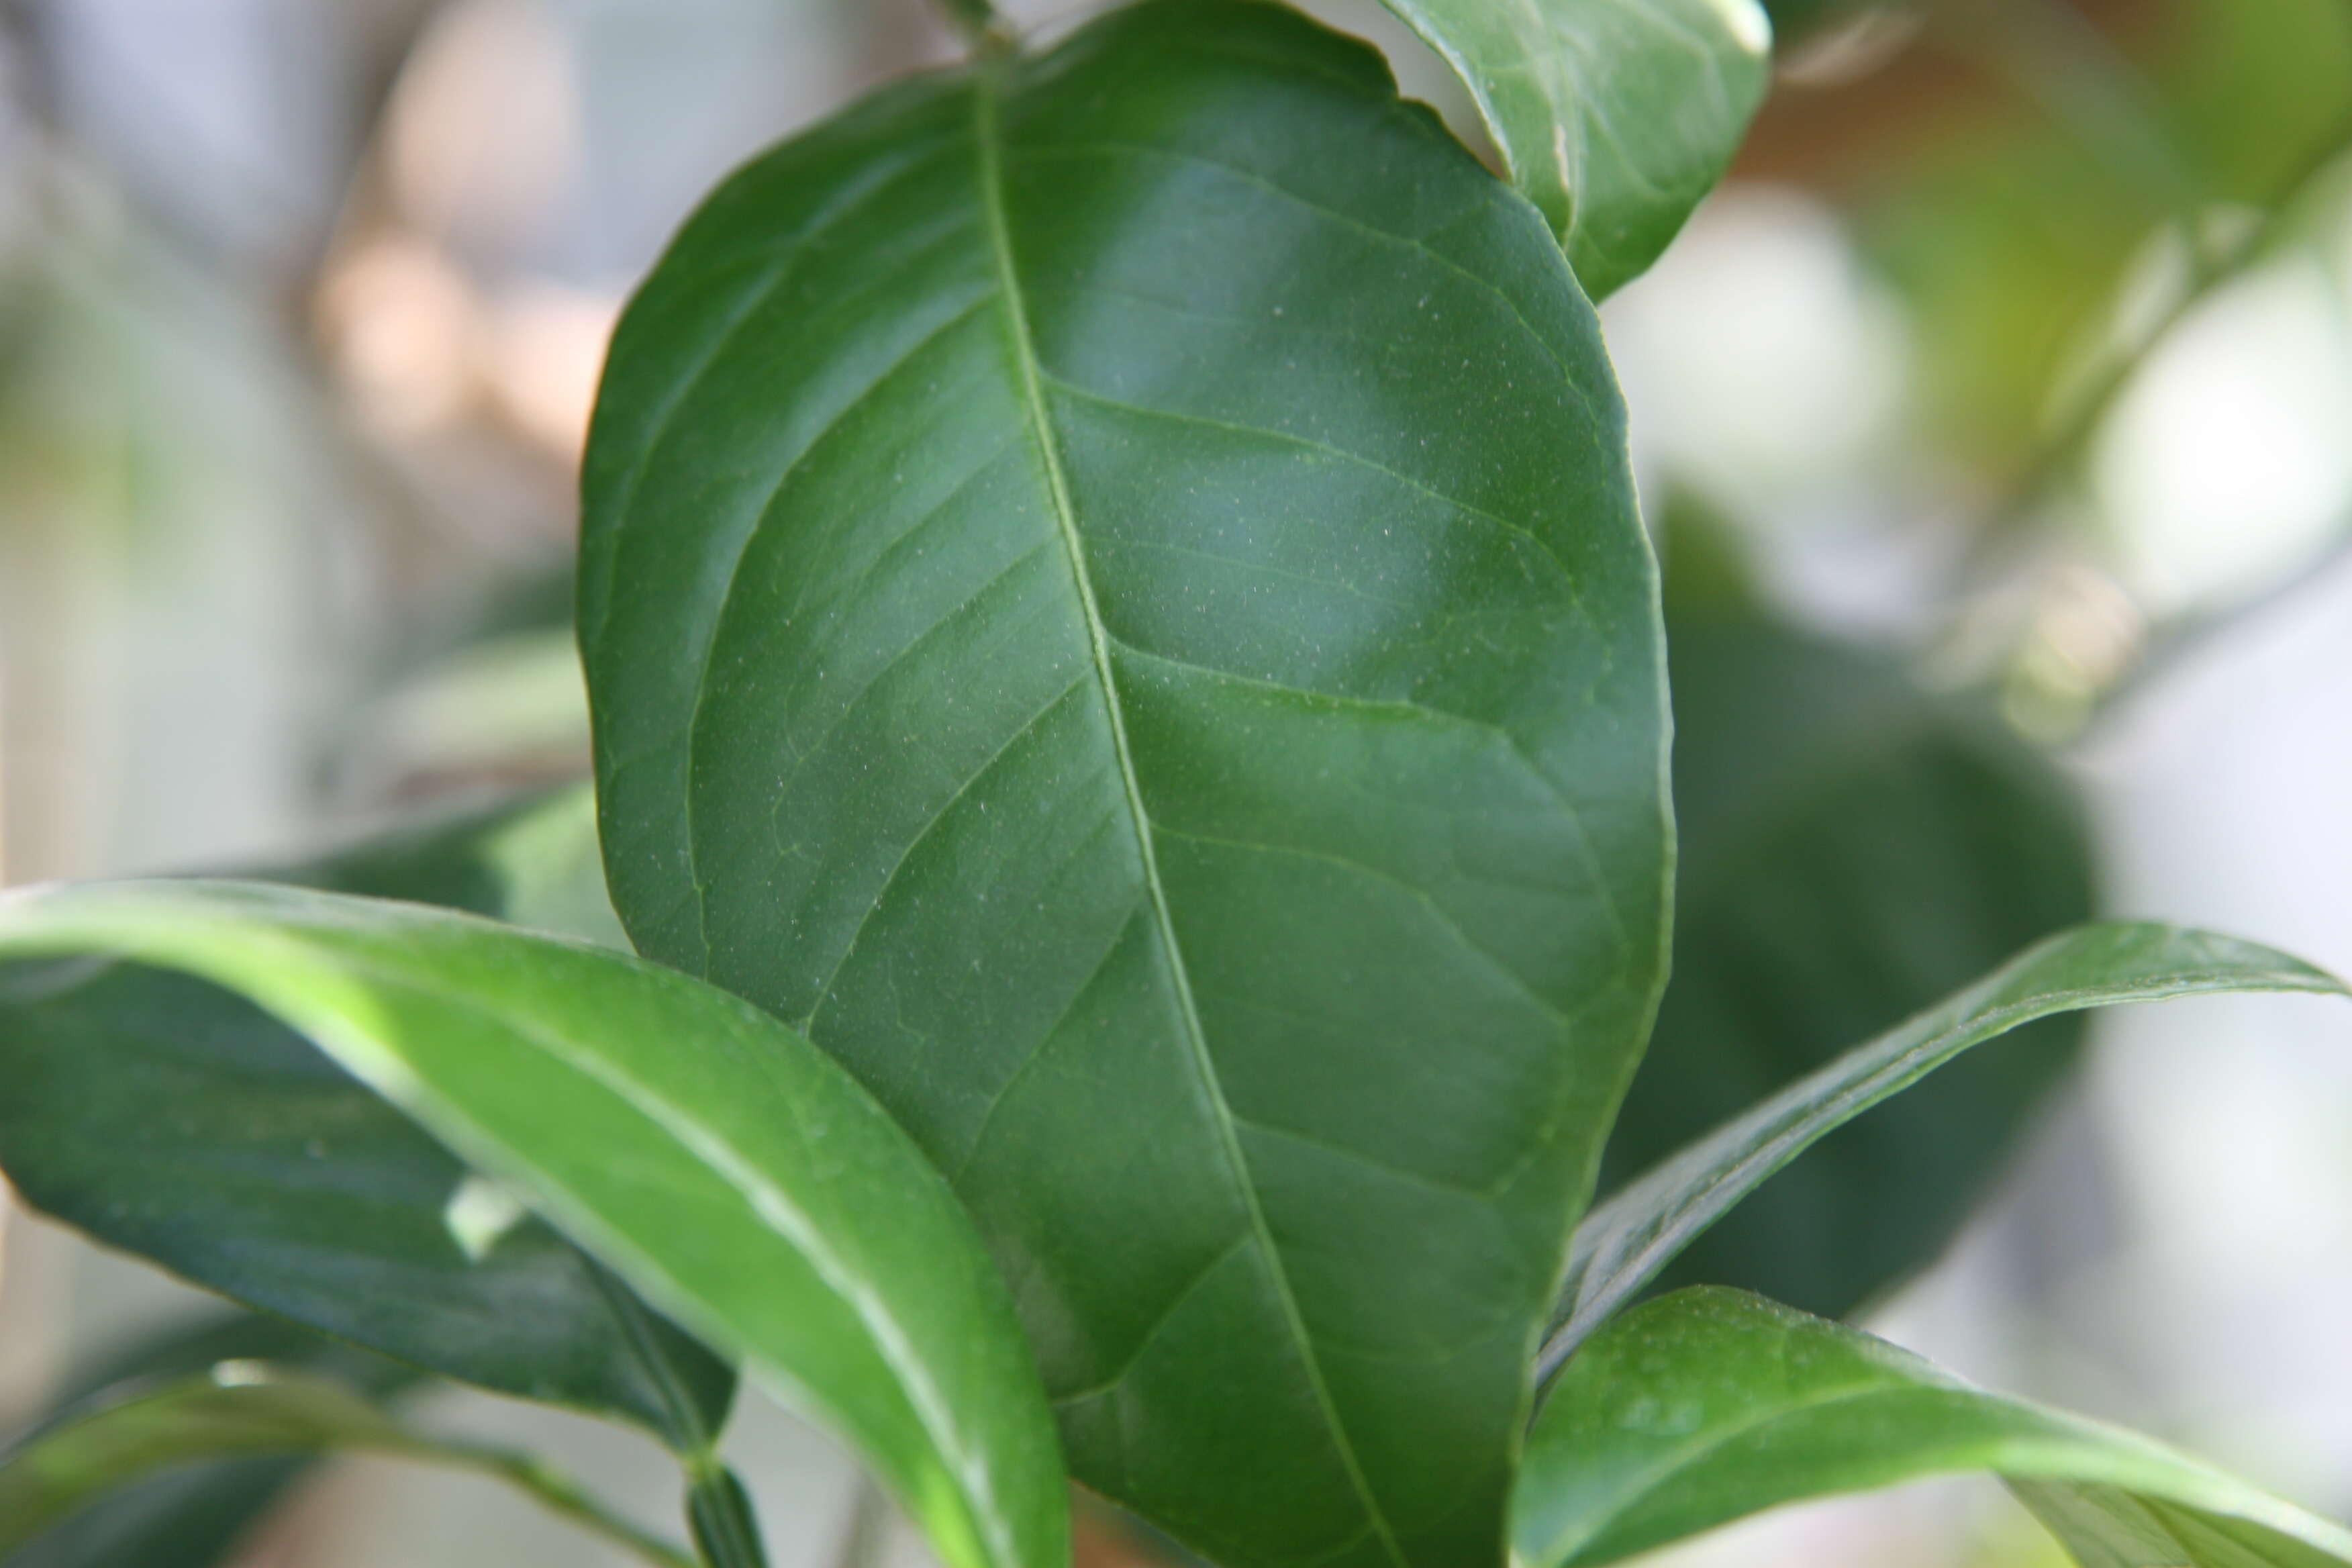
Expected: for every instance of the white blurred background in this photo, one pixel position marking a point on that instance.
(301, 305)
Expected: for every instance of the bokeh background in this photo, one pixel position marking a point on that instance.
(2016, 357)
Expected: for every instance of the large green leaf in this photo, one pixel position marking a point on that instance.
(1626, 1240)
(727, 1166)
(245, 1409)
(175, 1120)
(1613, 116)
(193, 1515)
(1113, 598)
(1853, 851)
(1706, 1405)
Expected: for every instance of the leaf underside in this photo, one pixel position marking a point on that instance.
(165, 1116)
(730, 1169)
(1708, 1405)
(1113, 598)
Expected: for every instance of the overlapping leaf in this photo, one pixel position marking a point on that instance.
(1112, 597)
(1613, 116)
(728, 1167)
(173, 1119)
(250, 1410)
(1853, 851)
(1626, 1240)
(1708, 1405)
(193, 1515)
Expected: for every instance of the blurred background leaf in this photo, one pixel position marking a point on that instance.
(1853, 848)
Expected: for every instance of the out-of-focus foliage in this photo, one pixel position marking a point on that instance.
(193, 1515)
(1853, 850)
(2011, 238)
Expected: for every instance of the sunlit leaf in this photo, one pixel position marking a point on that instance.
(175, 1120)
(1113, 598)
(728, 1168)
(1709, 1405)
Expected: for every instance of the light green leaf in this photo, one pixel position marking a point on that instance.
(724, 1165)
(1853, 849)
(1625, 1241)
(173, 1119)
(1614, 117)
(1704, 1406)
(1113, 598)
(243, 1409)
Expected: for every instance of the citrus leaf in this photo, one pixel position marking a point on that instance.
(1625, 1241)
(1708, 1405)
(248, 1410)
(1853, 850)
(1614, 117)
(727, 1167)
(175, 1120)
(193, 1515)
(1113, 598)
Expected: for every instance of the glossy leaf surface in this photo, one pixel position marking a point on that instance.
(1113, 598)
(193, 1515)
(1709, 1405)
(1854, 850)
(246, 1410)
(173, 1119)
(1625, 1241)
(727, 1166)
(1614, 117)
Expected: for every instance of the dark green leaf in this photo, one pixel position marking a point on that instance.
(172, 1119)
(1613, 116)
(1853, 851)
(1113, 597)
(1703, 1406)
(728, 1167)
(1625, 1241)
(195, 1515)
(1792, 19)
(248, 1410)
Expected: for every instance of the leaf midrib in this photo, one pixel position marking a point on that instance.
(773, 1206)
(987, 138)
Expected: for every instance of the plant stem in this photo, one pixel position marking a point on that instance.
(980, 23)
(559, 1495)
(726, 1531)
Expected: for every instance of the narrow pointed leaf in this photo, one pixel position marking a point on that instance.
(250, 1410)
(1113, 597)
(193, 1515)
(1614, 117)
(727, 1167)
(178, 1121)
(1853, 850)
(1626, 1240)
(1709, 1405)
